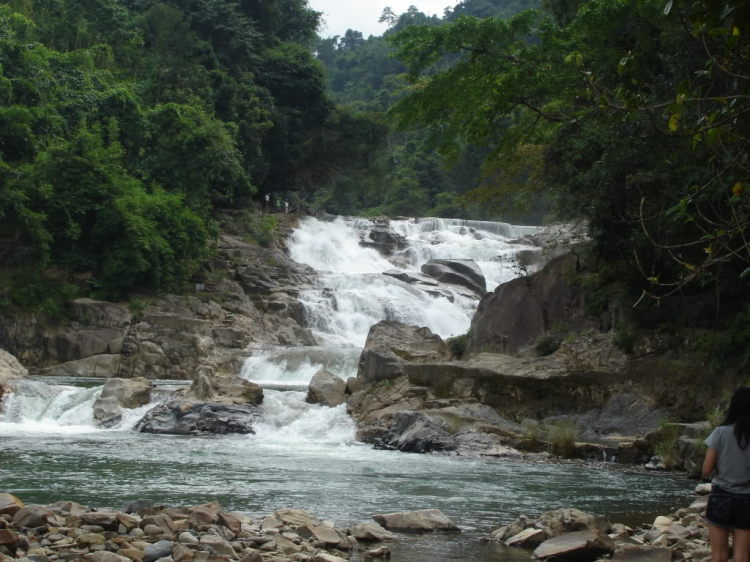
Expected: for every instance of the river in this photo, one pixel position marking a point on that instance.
(305, 456)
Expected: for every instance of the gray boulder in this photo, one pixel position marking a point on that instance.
(10, 370)
(31, 516)
(119, 394)
(385, 240)
(181, 418)
(465, 273)
(326, 388)
(161, 549)
(417, 432)
(423, 521)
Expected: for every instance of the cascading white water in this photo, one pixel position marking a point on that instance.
(36, 406)
(295, 366)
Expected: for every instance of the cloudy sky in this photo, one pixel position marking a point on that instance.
(363, 15)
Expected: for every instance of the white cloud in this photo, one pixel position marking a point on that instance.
(363, 15)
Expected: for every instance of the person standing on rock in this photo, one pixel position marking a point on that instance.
(729, 502)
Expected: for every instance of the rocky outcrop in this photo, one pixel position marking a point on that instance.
(516, 313)
(10, 370)
(326, 388)
(183, 418)
(423, 521)
(465, 273)
(119, 394)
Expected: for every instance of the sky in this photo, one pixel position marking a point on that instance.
(363, 15)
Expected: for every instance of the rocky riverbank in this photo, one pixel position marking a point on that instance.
(143, 532)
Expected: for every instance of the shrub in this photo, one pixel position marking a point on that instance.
(624, 337)
(457, 345)
(532, 431)
(562, 436)
(667, 444)
(547, 344)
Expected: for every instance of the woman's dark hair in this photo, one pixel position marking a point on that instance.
(739, 415)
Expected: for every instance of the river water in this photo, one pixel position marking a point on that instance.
(306, 456)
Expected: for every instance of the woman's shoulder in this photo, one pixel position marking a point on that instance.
(717, 436)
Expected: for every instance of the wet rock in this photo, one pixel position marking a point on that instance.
(180, 418)
(417, 432)
(583, 546)
(10, 504)
(385, 240)
(423, 521)
(118, 394)
(465, 273)
(407, 342)
(367, 532)
(326, 388)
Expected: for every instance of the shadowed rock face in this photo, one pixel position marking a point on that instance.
(519, 311)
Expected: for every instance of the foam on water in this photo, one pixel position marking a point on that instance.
(297, 365)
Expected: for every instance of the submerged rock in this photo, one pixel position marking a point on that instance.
(181, 418)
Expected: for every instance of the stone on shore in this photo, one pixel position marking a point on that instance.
(527, 538)
(161, 549)
(642, 554)
(369, 531)
(555, 523)
(10, 504)
(326, 388)
(31, 516)
(422, 521)
(583, 546)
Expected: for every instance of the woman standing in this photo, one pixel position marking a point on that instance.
(729, 502)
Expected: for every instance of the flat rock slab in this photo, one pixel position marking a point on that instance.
(583, 546)
(371, 532)
(643, 554)
(423, 521)
(527, 538)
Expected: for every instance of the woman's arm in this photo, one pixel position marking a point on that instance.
(709, 464)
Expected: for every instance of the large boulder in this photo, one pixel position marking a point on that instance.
(519, 311)
(417, 432)
(389, 344)
(465, 273)
(10, 504)
(10, 370)
(184, 418)
(423, 521)
(326, 388)
(385, 240)
(119, 394)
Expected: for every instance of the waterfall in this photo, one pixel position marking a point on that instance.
(352, 293)
(36, 406)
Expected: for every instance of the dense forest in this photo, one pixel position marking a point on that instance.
(125, 123)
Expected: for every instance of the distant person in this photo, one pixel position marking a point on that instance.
(268, 201)
(729, 502)
(286, 207)
(278, 204)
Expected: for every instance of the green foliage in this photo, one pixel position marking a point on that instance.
(666, 446)
(532, 432)
(457, 345)
(547, 344)
(124, 125)
(625, 336)
(563, 435)
(137, 307)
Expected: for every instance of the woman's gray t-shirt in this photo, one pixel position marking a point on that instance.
(732, 463)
